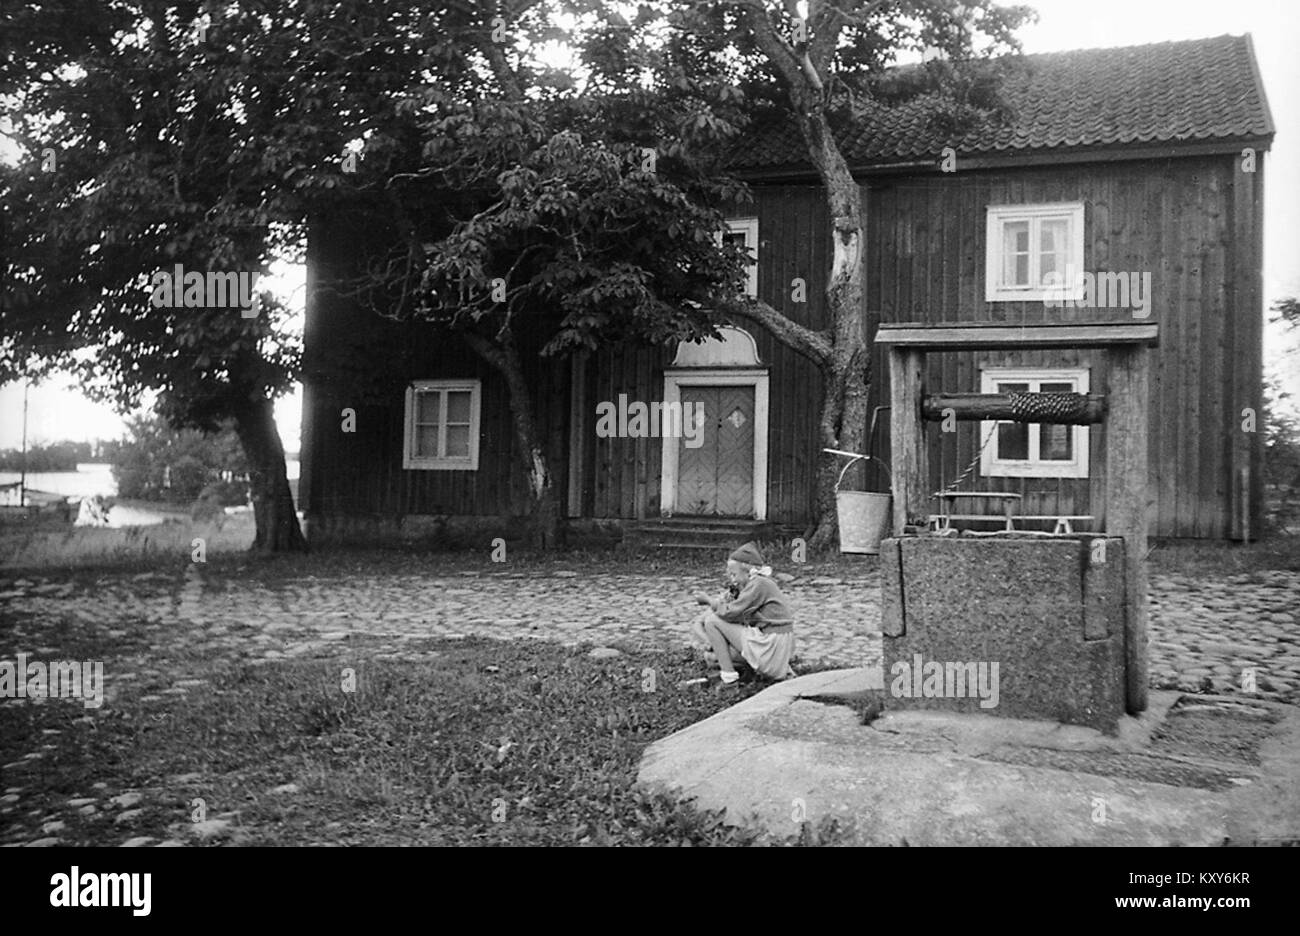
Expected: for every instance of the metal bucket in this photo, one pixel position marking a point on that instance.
(864, 520)
(864, 516)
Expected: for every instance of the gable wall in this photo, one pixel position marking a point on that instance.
(1189, 222)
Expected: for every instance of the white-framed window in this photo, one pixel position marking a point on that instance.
(743, 232)
(1033, 249)
(1033, 450)
(442, 425)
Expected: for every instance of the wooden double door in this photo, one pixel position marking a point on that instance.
(715, 468)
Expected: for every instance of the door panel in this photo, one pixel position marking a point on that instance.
(717, 478)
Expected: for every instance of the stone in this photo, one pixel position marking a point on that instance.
(955, 608)
(8, 799)
(128, 815)
(57, 825)
(43, 843)
(210, 828)
(286, 788)
(81, 801)
(604, 653)
(126, 800)
(138, 842)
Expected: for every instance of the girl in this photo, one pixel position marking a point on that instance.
(755, 625)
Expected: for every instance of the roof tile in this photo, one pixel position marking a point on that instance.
(1193, 91)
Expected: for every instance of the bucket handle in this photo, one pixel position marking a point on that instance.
(854, 456)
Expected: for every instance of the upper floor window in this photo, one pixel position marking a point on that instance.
(743, 232)
(1031, 249)
(1033, 450)
(442, 425)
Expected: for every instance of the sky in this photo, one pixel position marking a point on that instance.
(57, 409)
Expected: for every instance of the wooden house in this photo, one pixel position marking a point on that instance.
(1129, 181)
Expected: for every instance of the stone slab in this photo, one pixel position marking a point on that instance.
(782, 758)
(1037, 624)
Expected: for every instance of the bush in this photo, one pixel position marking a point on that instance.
(188, 476)
(158, 463)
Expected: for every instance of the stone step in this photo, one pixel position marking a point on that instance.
(711, 533)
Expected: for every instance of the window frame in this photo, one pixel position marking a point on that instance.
(991, 466)
(998, 217)
(749, 228)
(414, 462)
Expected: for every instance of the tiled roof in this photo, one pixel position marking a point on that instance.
(1197, 91)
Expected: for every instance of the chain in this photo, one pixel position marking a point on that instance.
(974, 461)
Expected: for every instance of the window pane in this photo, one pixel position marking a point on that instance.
(458, 441)
(1056, 443)
(1062, 387)
(426, 442)
(427, 405)
(1013, 387)
(1052, 246)
(1015, 253)
(1013, 441)
(458, 406)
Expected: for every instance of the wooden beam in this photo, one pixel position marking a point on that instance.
(1126, 504)
(911, 467)
(994, 336)
(971, 406)
(578, 423)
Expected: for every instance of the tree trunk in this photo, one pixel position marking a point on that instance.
(846, 382)
(273, 507)
(546, 527)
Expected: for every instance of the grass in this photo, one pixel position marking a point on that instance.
(471, 742)
(1215, 559)
(66, 546)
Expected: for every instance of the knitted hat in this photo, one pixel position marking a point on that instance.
(748, 554)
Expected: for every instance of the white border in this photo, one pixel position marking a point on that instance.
(748, 227)
(993, 467)
(674, 380)
(411, 463)
(1001, 214)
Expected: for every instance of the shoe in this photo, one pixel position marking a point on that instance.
(734, 680)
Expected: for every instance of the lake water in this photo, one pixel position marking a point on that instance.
(93, 478)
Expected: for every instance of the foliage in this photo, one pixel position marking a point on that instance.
(59, 456)
(158, 463)
(1281, 426)
(205, 135)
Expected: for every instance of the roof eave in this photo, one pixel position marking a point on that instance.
(1040, 157)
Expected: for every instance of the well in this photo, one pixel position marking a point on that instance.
(1038, 622)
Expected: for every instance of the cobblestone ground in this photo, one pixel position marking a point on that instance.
(1200, 629)
(1204, 632)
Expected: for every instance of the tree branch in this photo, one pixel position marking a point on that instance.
(812, 344)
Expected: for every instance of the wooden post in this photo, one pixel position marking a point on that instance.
(578, 422)
(1245, 506)
(1126, 509)
(911, 467)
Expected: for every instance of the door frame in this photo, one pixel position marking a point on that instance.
(677, 377)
